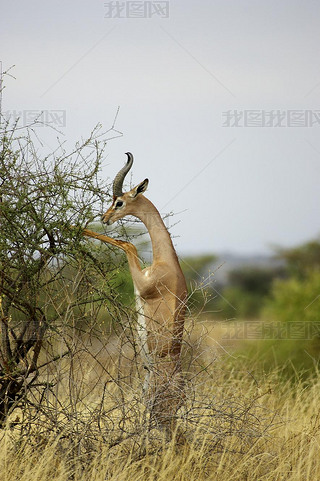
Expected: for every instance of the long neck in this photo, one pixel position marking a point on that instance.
(162, 246)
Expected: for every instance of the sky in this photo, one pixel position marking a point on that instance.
(219, 104)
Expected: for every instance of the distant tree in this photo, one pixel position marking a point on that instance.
(255, 280)
(198, 276)
(302, 259)
(196, 268)
(247, 290)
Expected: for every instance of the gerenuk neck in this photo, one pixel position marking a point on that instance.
(162, 247)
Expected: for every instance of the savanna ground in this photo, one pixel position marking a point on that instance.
(238, 422)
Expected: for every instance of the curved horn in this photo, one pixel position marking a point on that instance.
(119, 178)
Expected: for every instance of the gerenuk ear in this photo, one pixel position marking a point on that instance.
(140, 188)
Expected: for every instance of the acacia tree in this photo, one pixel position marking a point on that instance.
(50, 278)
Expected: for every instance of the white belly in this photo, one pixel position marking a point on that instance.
(143, 338)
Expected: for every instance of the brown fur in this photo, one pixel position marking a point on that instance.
(162, 293)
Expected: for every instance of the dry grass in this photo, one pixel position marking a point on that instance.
(235, 427)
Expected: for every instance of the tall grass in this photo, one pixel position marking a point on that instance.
(235, 427)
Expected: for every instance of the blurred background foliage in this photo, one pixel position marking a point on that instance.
(289, 301)
(284, 297)
(247, 290)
